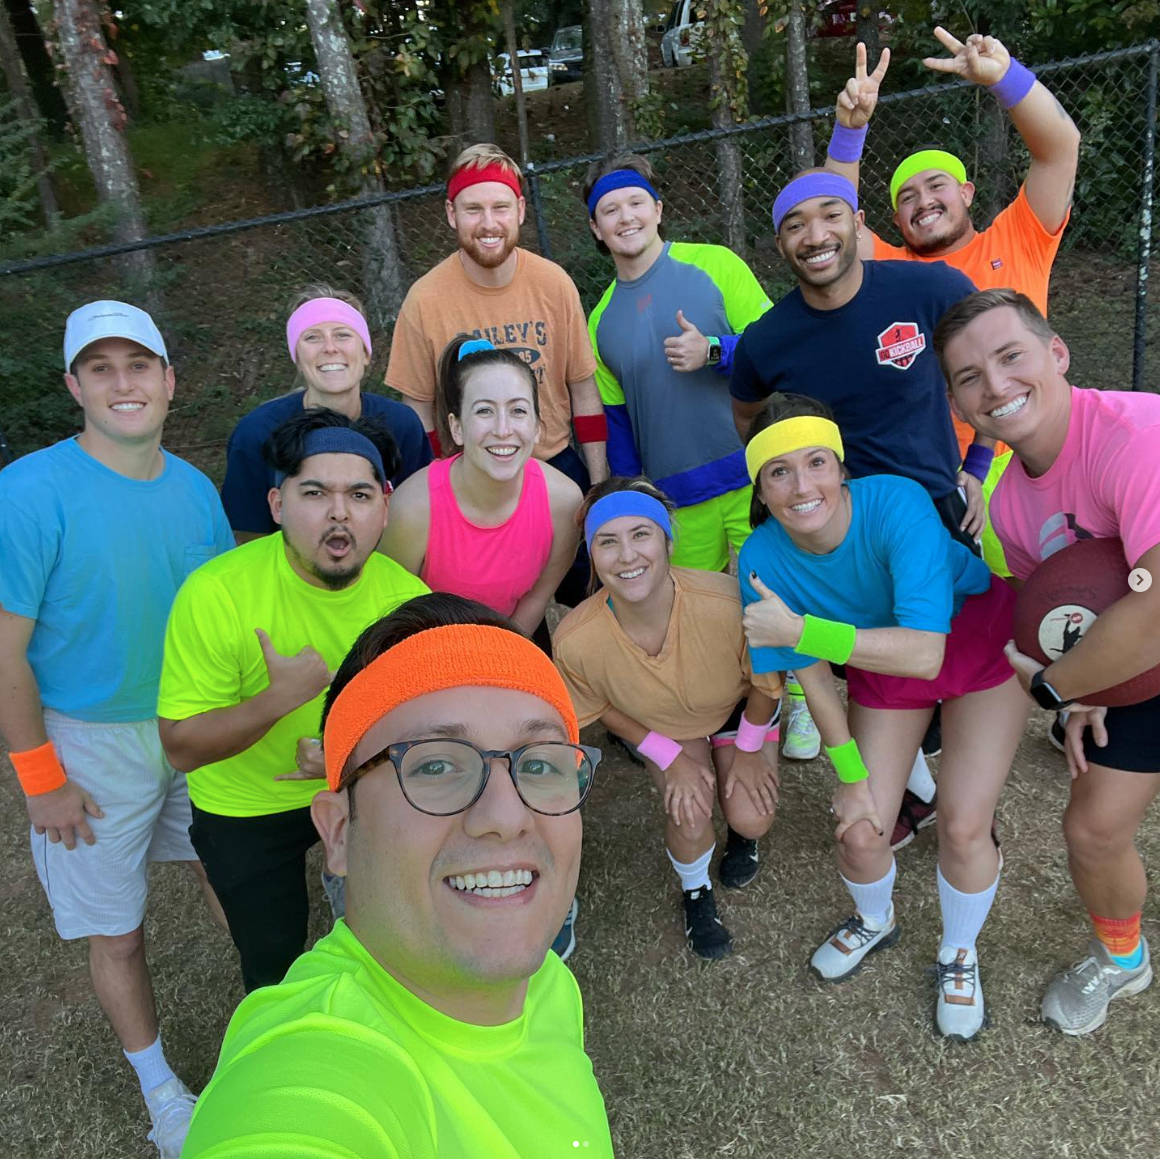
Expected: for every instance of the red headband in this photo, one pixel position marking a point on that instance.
(474, 174)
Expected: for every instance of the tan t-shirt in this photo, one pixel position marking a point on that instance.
(690, 688)
(537, 315)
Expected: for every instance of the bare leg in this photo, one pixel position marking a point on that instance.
(123, 987)
(211, 898)
(686, 843)
(741, 814)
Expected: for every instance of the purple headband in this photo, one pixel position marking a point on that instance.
(812, 185)
(319, 310)
(340, 441)
(619, 179)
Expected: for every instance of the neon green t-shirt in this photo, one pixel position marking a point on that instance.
(213, 659)
(339, 1061)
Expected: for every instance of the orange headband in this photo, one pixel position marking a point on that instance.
(458, 656)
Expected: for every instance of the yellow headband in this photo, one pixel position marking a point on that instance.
(926, 159)
(791, 435)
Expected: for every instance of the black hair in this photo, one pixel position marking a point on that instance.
(778, 408)
(285, 449)
(609, 163)
(453, 373)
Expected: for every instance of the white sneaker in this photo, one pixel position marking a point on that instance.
(960, 1013)
(1077, 1000)
(170, 1109)
(841, 955)
(802, 742)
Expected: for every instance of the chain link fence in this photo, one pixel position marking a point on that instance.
(219, 294)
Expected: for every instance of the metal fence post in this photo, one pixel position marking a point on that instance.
(1144, 246)
(538, 211)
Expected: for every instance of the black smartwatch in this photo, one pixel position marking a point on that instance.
(1045, 695)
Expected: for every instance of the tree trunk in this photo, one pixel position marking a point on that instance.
(27, 111)
(729, 163)
(38, 66)
(866, 29)
(797, 87)
(616, 73)
(993, 166)
(753, 30)
(513, 50)
(470, 104)
(383, 277)
(102, 124)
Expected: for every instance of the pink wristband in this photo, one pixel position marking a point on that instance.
(661, 750)
(751, 737)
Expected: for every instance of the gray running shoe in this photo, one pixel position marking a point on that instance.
(1077, 1000)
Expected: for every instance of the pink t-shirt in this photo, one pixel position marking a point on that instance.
(1105, 483)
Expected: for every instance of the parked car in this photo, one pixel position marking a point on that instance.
(681, 36)
(566, 56)
(533, 71)
(839, 18)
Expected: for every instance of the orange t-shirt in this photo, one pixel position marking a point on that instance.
(537, 315)
(1014, 250)
(690, 688)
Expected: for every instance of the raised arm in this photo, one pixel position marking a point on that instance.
(1048, 132)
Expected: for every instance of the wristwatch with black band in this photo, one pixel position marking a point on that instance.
(1045, 695)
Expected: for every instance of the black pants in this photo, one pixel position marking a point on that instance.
(574, 586)
(257, 867)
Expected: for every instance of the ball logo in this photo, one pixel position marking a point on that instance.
(1063, 627)
(900, 344)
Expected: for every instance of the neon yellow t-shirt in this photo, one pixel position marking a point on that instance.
(339, 1061)
(213, 659)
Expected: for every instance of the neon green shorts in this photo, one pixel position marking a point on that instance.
(705, 530)
(992, 549)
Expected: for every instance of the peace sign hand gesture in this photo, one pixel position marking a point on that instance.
(856, 102)
(982, 59)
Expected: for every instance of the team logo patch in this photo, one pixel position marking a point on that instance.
(997, 264)
(900, 344)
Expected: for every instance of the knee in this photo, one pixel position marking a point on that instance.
(746, 821)
(862, 843)
(963, 834)
(1089, 837)
(118, 948)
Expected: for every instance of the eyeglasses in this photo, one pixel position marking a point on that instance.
(443, 777)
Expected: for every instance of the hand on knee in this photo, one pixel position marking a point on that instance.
(862, 847)
(745, 821)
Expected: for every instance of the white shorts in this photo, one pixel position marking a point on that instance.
(101, 888)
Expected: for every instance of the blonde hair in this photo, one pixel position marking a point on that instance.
(314, 290)
(484, 154)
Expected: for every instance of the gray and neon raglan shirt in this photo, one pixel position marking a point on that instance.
(675, 427)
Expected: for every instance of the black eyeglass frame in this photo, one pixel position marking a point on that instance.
(395, 753)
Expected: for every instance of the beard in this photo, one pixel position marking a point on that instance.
(334, 576)
(490, 259)
(936, 245)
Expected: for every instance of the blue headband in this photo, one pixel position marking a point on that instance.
(619, 179)
(340, 441)
(474, 346)
(812, 185)
(625, 503)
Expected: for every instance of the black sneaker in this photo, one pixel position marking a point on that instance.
(708, 938)
(739, 863)
(932, 742)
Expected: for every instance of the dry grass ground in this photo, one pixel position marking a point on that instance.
(748, 1058)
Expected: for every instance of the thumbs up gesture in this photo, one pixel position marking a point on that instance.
(688, 350)
(769, 623)
(294, 680)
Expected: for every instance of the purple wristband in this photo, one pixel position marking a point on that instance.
(1014, 85)
(659, 749)
(978, 461)
(846, 144)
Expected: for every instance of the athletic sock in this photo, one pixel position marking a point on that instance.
(921, 783)
(694, 874)
(963, 914)
(1121, 938)
(151, 1067)
(872, 899)
(792, 687)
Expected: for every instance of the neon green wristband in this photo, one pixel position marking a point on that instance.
(848, 763)
(826, 639)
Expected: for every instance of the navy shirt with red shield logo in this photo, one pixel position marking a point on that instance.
(872, 363)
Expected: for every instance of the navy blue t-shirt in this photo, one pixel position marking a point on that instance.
(248, 479)
(872, 363)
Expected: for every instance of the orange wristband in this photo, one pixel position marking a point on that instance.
(39, 770)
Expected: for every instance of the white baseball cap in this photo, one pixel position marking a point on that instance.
(98, 320)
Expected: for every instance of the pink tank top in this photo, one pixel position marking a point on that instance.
(497, 566)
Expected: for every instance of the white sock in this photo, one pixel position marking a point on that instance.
(151, 1067)
(963, 914)
(694, 874)
(921, 783)
(872, 899)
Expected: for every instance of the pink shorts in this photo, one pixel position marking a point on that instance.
(973, 660)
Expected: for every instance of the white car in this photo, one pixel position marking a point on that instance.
(533, 71)
(679, 44)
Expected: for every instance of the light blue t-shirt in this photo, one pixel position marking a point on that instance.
(95, 559)
(897, 567)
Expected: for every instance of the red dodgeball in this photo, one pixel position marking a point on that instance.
(1060, 601)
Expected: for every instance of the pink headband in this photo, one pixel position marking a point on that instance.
(319, 310)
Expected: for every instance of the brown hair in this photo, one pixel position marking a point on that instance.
(453, 374)
(308, 293)
(778, 408)
(609, 163)
(610, 486)
(963, 313)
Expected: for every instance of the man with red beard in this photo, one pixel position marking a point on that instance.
(516, 300)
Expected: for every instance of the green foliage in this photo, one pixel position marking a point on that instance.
(18, 199)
